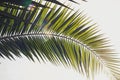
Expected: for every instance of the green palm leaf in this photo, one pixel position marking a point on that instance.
(58, 35)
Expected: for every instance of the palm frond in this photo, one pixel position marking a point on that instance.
(58, 35)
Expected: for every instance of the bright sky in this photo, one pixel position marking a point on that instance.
(105, 12)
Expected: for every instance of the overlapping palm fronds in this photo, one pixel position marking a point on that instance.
(33, 2)
(58, 35)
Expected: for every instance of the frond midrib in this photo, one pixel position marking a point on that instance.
(56, 35)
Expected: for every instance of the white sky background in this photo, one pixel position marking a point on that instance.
(105, 12)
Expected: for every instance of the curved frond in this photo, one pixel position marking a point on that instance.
(58, 35)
